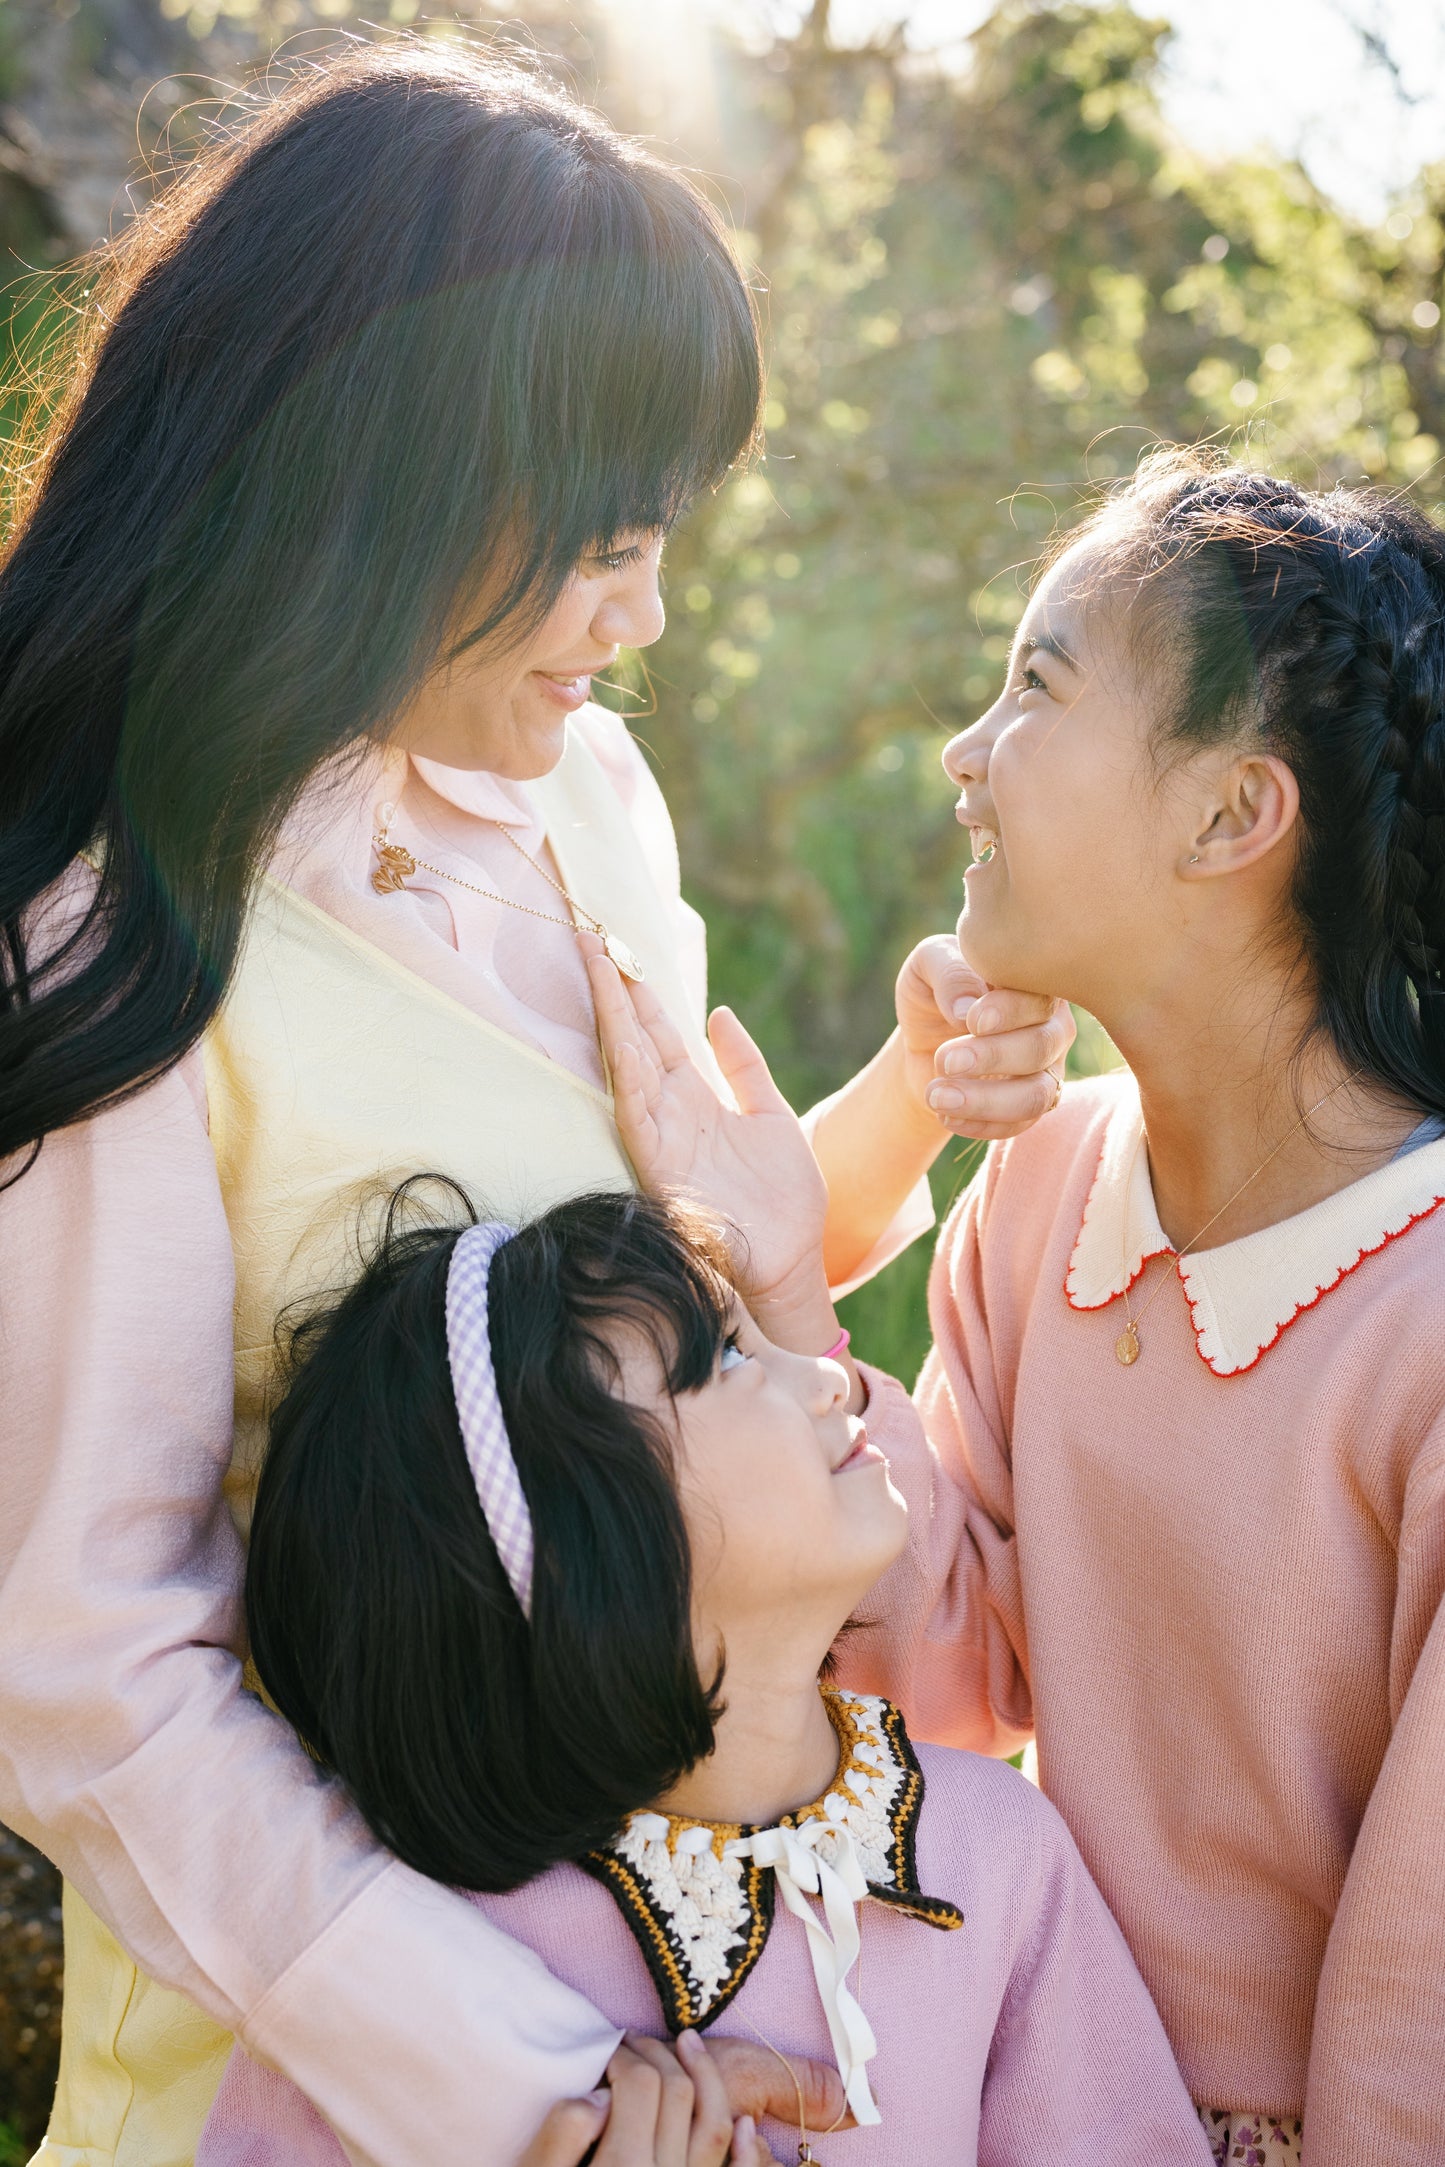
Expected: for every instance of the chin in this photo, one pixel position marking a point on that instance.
(1001, 954)
(530, 755)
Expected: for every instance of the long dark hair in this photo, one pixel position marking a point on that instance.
(1314, 625)
(481, 1748)
(426, 330)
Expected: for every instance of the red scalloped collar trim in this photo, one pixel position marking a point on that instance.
(1164, 1247)
(1372, 1249)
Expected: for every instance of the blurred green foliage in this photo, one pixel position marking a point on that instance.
(984, 292)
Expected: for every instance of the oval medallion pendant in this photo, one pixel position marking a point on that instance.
(623, 957)
(1126, 1346)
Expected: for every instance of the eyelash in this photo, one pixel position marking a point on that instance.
(732, 1345)
(619, 559)
(1037, 684)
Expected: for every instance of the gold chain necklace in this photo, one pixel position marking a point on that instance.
(396, 865)
(1127, 1347)
(806, 2154)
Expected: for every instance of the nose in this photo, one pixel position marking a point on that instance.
(629, 612)
(830, 1387)
(965, 757)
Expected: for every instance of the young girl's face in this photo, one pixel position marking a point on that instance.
(504, 707)
(790, 1514)
(1076, 841)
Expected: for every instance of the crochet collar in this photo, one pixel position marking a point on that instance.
(699, 1895)
(1243, 1295)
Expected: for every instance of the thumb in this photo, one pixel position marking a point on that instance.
(758, 2083)
(954, 985)
(741, 1061)
(569, 2132)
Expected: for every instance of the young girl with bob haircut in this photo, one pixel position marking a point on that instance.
(549, 1549)
(1180, 1513)
(357, 468)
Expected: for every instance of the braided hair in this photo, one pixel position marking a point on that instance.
(1313, 626)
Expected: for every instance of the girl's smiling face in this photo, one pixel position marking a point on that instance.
(790, 1514)
(1076, 838)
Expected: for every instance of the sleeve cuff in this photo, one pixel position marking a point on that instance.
(413, 2025)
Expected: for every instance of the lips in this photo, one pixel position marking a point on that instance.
(568, 692)
(861, 1452)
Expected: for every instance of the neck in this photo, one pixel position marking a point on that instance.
(776, 1747)
(1223, 1088)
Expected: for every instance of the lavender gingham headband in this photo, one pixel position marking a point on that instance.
(479, 1410)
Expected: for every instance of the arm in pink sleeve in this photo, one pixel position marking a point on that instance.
(182, 1810)
(943, 1632)
(1376, 2084)
(1080, 2069)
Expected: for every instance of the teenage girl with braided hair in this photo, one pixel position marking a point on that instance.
(1178, 1486)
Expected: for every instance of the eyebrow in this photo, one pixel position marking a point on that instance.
(1047, 643)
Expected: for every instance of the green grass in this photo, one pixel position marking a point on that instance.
(14, 2152)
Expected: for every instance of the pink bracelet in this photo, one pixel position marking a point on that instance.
(837, 1347)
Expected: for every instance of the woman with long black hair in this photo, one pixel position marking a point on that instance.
(363, 469)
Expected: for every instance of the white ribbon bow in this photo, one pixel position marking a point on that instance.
(800, 1872)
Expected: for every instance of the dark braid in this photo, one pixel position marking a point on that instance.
(1315, 626)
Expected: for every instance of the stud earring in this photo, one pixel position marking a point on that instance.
(1195, 859)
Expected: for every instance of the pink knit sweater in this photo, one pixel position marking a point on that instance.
(1211, 1583)
(1023, 2039)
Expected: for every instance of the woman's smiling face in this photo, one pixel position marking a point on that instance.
(1075, 853)
(503, 705)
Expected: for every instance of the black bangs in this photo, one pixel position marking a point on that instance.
(636, 378)
(571, 1280)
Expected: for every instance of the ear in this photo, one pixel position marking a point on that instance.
(1253, 810)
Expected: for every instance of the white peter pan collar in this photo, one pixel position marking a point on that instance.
(1245, 1293)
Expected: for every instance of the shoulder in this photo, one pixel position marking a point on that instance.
(971, 1794)
(988, 1839)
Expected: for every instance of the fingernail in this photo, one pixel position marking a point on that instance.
(962, 1006)
(943, 1100)
(986, 1019)
(689, 2046)
(960, 1061)
(744, 2130)
(602, 2098)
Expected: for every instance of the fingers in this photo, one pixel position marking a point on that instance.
(1001, 1012)
(998, 1084)
(634, 1087)
(748, 2149)
(758, 2084)
(991, 1111)
(631, 2138)
(741, 1061)
(939, 964)
(569, 2132)
(617, 1023)
(712, 2140)
(1024, 1052)
(673, 2122)
(670, 1045)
